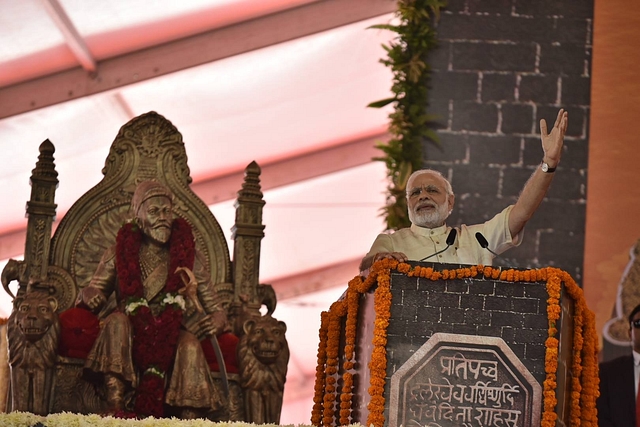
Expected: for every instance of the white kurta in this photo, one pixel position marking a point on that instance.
(419, 242)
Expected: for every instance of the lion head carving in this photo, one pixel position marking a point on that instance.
(34, 326)
(263, 354)
(35, 315)
(265, 338)
(32, 334)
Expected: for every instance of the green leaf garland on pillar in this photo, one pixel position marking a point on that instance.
(409, 122)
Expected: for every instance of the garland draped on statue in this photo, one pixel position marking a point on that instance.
(155, 337)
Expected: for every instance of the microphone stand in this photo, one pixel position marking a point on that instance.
(451, 239)
(436, 253)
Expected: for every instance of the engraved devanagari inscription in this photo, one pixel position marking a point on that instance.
(469, 381)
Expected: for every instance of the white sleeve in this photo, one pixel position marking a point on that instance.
(382, 243)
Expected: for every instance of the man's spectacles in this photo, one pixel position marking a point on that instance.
(429, 189)
(636, 323)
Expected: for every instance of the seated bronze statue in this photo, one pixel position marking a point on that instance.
(154, 334)
(151, 313)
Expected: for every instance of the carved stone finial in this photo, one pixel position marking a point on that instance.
(251, 185)
(249, 205)
(45, 166)
(44, 180)
(41, 211)
(247, 233)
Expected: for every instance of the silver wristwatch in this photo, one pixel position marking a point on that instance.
(546, 168)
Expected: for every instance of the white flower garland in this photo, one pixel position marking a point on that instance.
(169, 299)
(134, 304)
(176, 299)
(66, 419)
(155, 371)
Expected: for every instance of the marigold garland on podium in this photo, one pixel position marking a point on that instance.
(449, 345)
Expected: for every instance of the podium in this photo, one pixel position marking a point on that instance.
(422, 344)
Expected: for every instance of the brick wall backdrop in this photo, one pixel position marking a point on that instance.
(500, 67)
(515, 312)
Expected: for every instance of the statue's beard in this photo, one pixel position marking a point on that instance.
(159, 233)
(429, 218)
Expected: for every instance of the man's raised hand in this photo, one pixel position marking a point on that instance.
(553, 141)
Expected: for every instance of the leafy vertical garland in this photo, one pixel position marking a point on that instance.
(409, 126)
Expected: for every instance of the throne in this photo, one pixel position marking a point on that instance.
(56, 268)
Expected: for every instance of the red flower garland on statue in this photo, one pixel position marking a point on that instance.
(155, 338)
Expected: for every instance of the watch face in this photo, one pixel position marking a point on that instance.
(545, 167)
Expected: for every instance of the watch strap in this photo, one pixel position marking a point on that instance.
(546, 168)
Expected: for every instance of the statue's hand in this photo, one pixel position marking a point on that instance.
(211, 324)
(190, 290)
(92, 298)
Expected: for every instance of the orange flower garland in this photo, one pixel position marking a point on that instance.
(591, 381)
(333, 344)
(584, 336)
(550, 401)
(351, 325)
(584, 366)
(318, 394)
(378, 362)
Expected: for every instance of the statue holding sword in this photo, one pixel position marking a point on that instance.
(148, 354)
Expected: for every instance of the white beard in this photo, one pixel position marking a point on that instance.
(432, 218)
(160, 234)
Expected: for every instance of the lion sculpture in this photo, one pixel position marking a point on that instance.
(32, 333)
(263, 354)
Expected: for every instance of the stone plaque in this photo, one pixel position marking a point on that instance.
(464, 380)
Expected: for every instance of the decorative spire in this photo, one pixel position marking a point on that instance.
(41, 211)
(251, 185)
(247, 233)
(45, 167)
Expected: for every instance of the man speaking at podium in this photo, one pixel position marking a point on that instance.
(430, 200)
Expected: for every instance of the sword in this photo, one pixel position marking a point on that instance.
(223, 367)
(190, 290)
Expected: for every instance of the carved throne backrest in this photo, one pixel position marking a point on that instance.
(148, 147)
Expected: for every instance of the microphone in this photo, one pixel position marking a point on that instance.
(483, 242)
(451, 239)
